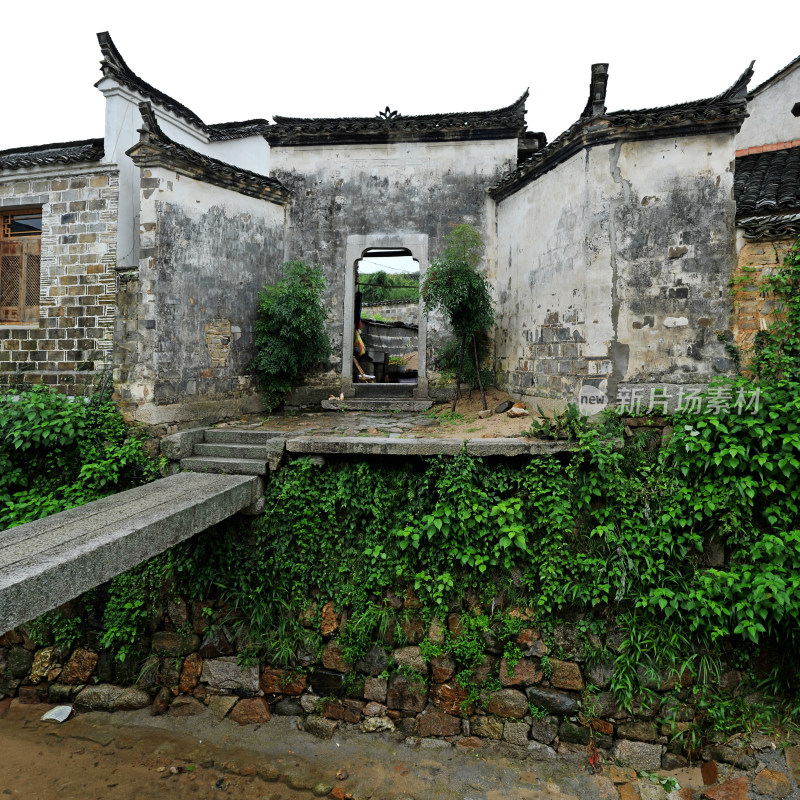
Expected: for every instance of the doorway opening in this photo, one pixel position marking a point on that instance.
(386, 338)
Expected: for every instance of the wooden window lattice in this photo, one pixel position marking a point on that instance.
(20, 266)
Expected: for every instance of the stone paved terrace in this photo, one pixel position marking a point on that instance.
(256, 447)
(44, 564)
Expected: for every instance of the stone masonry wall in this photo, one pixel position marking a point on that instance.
(392, 311)
(753, 309)
(73, 339)
(554, 702)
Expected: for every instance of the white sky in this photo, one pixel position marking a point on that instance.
(237, 60)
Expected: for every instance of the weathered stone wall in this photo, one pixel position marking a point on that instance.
(412, 189)
(72, 341)
(393, 311)
(553, 701)
(613, 268)
(186, 332)
(753, 308)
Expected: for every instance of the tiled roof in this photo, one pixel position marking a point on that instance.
(45, 155)
(767, 183)
(726, 111)
(114, 66)
(389, 126)
(155, 148)
(237, 130)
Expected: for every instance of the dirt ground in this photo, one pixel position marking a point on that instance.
(131, 755)
(465, 424)
(439, 422)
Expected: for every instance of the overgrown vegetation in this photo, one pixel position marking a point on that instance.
(454, 286)
(686, 558)
(380, 287)
(58, 452)
(290, 335)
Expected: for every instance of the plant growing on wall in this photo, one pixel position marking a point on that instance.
(290, 330)
(454, 286)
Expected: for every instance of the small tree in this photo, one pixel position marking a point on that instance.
(290, 333)
(454, 286)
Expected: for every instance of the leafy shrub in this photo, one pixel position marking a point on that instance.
(57, 453)
(290, 333)
(454, 286)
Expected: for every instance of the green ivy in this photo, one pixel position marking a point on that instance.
(58, 452)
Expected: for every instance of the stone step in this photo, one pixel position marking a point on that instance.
(257, 451)
(359, 404)
(384, 390)
(225, 466)
(240, 436)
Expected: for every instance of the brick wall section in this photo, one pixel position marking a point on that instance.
(753, 309)
(72, 343)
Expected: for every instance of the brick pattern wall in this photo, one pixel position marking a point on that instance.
(753, 308)
(72, 343)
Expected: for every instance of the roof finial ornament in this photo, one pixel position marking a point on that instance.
(150, 130)
(388, 114)
(596, 105)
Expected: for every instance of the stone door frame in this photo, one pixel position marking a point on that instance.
(357, 245)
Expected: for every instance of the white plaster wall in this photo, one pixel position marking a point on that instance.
(122, 123)
(205, 283)
(613, 267)
(771, 118)
(400, 161)
(403, 192)
(541, 272)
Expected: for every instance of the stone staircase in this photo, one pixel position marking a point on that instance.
(225, 450)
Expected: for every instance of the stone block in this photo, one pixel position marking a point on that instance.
(373, 662)
(544, 730)
(566, 675)
(405, 694)
(450, 698)
(321, 727)
(516, 733)
(526, 672)
(641, 756)
(639, 731)
(225, 673)
(486, 727)
(375, 689)
(442, 668)
(772, 783)
(333, 658)
(180, 445)
(174, 645)
(508, 703)
(411, 657)
(436, 723)
(221, 704)
(80, 667)
(558, 703)
(251, 711)
(735, 789)
(281, 681)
